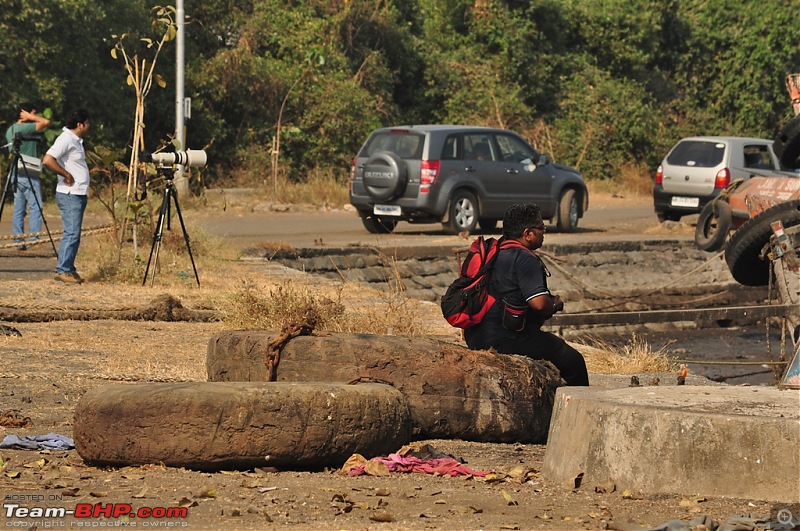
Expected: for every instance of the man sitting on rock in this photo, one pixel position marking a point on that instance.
(518, 282)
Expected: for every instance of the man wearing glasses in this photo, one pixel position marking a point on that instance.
(518, 282)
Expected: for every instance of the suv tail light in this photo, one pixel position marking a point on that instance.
(723, 178)
(353, 173)
(660, 174)
(428, 174)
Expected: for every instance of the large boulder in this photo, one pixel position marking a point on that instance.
(212, 426)
(452, 392)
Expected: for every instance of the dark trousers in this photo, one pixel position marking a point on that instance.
(537, 345)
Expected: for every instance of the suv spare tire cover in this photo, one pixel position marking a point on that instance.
(385, 176)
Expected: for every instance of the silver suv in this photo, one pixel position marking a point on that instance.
(697, 169)
(461, 176)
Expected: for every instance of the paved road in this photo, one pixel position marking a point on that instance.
(342, 228)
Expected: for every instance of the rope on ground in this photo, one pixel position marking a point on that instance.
(731, 362)
(49, 307)
(96, 376)
(45, 238)
(625, 300)
(162, 308)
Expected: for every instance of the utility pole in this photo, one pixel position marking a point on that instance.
(181, 183)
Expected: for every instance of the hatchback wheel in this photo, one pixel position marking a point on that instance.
(463, 215)
(667, 215)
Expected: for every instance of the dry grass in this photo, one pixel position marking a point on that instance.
(634, 357)
(318, 187)
(333, 306)
(634, 180)
(321, 188)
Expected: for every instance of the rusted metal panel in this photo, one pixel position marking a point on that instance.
(758, 193)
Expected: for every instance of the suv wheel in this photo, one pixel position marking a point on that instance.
(385, 176)
(463, 215)
(376, 225)
(568, 211)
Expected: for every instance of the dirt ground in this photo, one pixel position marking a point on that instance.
(47, 369)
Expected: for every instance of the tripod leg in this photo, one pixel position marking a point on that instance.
(36, 197)
(12, 177)
(156, 247)
(185, 235)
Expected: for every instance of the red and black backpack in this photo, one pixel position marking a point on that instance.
(467, 300)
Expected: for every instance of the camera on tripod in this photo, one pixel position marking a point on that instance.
(193, 158)
(19, 137)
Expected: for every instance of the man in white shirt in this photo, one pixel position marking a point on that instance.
(67, 159)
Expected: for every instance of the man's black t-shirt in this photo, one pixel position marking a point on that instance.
(518, 275)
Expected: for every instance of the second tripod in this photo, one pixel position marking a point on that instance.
(32, 183)
(170, 196)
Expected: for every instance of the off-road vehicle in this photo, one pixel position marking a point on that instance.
(461, 176)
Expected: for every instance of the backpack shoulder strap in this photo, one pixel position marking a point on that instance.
(513, 244)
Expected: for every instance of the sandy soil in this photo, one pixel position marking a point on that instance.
(47, 368)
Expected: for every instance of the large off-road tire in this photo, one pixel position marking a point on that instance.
(463, 214)
(787, 143)
(378, 225)
(218, 425)
(744, 251)
(385, 176)
(568, 211)
(453, 392)
(713, 226)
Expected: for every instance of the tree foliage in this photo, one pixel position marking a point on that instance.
(596, 83)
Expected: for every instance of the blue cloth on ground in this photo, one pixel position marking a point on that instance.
(51, 441)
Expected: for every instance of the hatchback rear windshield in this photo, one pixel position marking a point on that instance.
(697, 153)
(403, 143)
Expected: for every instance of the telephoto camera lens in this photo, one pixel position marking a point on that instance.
(194, 158)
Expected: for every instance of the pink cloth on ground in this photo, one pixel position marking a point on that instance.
(445, 466)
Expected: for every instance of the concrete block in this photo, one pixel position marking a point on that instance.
(740, 442)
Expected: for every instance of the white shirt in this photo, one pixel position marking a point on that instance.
(70, 155)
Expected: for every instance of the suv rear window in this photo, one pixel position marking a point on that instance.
(404, 144)
(697, 153)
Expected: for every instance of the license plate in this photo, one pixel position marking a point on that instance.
(387, 210)
(686, 201)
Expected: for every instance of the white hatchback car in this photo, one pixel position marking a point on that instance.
(698, 169)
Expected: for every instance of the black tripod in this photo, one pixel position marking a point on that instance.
(12, 181)
(164, 217)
